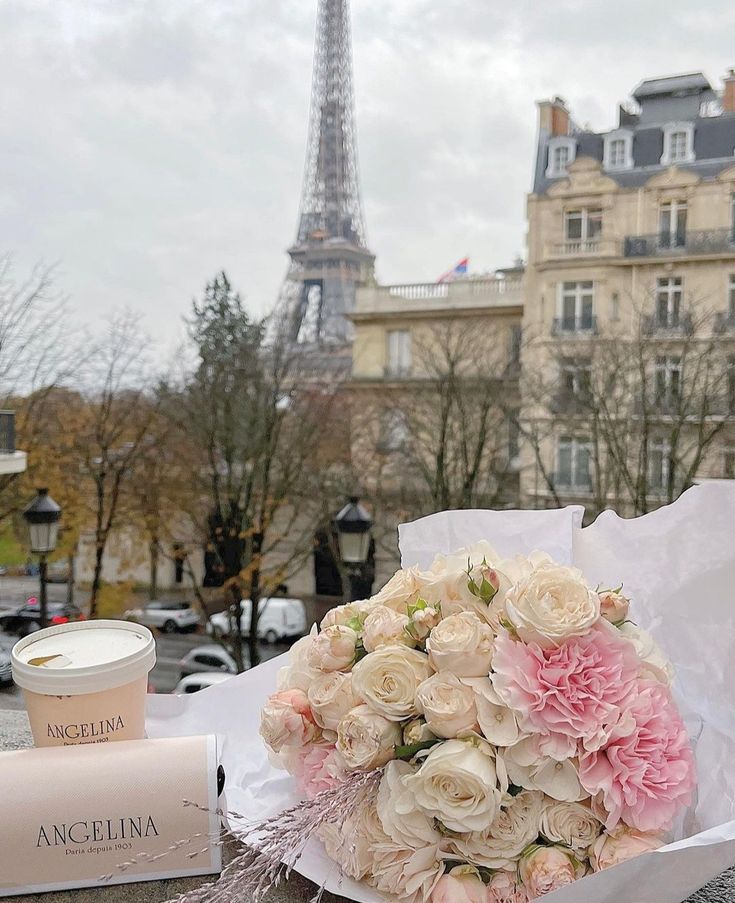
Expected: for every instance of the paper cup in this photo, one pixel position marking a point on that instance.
(85, 682)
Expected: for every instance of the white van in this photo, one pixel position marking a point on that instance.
(280, 619)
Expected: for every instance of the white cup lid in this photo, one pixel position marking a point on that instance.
(83, 657)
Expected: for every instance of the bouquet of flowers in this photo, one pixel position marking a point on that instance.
(486, 731)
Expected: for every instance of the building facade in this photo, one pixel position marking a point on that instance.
(629, 316)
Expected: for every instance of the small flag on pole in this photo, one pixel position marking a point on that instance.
(459, 270)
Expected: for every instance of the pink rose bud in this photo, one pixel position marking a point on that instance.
(614, 606)
(462, 885)
(491, 575)
(287, 720)
(620, 845)
(504, 887)
(544, 869)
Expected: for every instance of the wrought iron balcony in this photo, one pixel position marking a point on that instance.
(574, 326)
(681, 244)
(724, 321)
(7, 432)
(681, 325)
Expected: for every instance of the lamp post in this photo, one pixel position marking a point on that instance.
(353, 526)
(43, 516)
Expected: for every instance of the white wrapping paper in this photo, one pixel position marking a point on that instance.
(677, 564)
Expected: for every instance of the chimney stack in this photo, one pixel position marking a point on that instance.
(554, 116)
(728, 94)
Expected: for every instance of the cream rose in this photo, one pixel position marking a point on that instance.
(543, 869)
(424, 619)
(505, 887)
(385, 627)
(572, 824)
(343, 614)
(404, 587)
(387, 680)
(366, 740)
(461, 784)
(500, 845)
(447, 704)
(612, 848)
(331, 697)
(396, 866)
(463, 644)
(333, 649)
(298, 673)
(349, 842)
(655, 663)
(287, 720)
(614, 606)
(417, 731)
(553, 603)
(400, 817)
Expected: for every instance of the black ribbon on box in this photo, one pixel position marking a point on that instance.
(92, 815)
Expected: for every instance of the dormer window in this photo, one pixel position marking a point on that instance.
(562, 151)
(618, 150)
(678, 143)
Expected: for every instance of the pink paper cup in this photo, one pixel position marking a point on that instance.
(85, 682)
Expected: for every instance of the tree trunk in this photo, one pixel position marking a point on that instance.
(70, 579)
(99, 554)
(255, 591)
(154, 568)
(236, 625)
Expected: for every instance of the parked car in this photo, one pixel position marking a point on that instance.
(207, 658)
(6, 672)
(169, 617)
(27, 618)
(280, 619)
(192, 683)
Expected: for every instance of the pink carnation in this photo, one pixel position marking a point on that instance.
(318, 767)
(646, 775)
(578, 689)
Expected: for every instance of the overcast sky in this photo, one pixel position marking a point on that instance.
(147, 144)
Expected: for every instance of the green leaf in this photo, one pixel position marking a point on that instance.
(408, 752)
(355, 624)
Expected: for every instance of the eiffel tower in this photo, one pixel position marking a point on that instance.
(330, 257)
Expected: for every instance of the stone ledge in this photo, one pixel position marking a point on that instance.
(15, 734)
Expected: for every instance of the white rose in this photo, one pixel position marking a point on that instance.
(452, 593)
(500, 845)
(461, 784)
(476, 554)
(333, 649)
(416, 872)
(366, 740)
(655, 663)
(349, 841)
(417, 731)
(385, 627)
(331, 697)
(448, 705)
(553, 603)
(298, 674)
(404, 587)
(343, 614)
(387, 680)
(463, 644)
(572, 824)
(400, 817)
(424, 620)
(497, 722)
(620, 845)
(528, 767)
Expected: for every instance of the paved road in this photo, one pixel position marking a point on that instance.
(170, 650)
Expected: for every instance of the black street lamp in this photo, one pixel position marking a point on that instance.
(353, 526)
(43, 516)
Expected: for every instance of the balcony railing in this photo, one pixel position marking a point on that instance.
(667, 244)
(583, 247)
(682, 325)
(574, 326)
(724, 321)
(7, 432)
